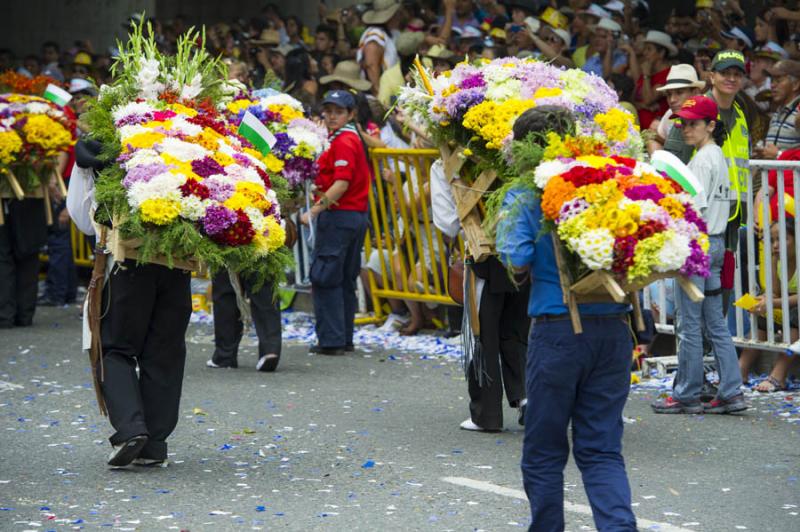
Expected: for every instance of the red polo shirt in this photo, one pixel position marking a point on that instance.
(346, 160)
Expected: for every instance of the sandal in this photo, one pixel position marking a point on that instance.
(770, 385)
(412, 329)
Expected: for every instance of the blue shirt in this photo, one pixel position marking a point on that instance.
(521, 243)
(594, 64)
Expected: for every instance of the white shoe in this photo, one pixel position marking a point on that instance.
(125, 453)
(150, 462)
(394, 322)
(267, 362)
(468, 424)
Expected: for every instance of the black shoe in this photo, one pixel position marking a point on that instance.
(521, 417)
(331, 351)
(125, 453)
(267, 363)
(46, 301)
(211, 364)
(349, 348)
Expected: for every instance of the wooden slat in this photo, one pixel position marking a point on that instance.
(16, 188)
(694, 293)
(472, 195)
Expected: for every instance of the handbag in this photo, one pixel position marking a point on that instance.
(728, 270)
(455, 279)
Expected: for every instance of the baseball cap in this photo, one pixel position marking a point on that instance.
(772, 50)
(727, 59)
(698, 108)
(340, 98)
(786, 67)
(741, 33)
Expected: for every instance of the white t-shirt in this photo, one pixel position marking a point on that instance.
(711, 168)
(445, 213)
(378, 35)
(665, 125)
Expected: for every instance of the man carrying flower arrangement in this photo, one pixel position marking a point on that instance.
(579, 379)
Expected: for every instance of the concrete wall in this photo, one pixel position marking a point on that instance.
(26, 24)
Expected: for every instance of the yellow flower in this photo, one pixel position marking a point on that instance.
(493, 120)
(274, 165)
(703, 242)
(183, 110)
(179, 167)
(223, 158)
(143, 140)
(287, 113)
(596, 161)
(238, 105)
(47, 134)
(616, 124)
(159, 211)
(166, 124)
(672, 206)
(255, 193)
(467, 152)
(276, 236)
(10, 145)
(547, 92)
(303, 150)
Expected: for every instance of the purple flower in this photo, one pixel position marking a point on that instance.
(644, 192)
(242, 160)
(283, 145)
(473, 81)
(458, 104)
(297, 170)
(132, 120)
(691, 216)
(220, 190)
(698, 263)
(206, 167)
(218, 218)
(143, 173)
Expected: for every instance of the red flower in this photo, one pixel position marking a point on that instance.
(648, 229)
(625, 161)
(195, 188)
(239, 234)
(581, 176)
(265, 178)
(204, 120)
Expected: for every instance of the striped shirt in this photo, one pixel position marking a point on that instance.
(782, 131)
(377, 35)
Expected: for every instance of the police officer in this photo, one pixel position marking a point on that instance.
(577, 379)
(228, 325)
(145, 313)
(339, 217)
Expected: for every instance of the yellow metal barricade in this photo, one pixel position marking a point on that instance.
(82, 252)
(405, 255)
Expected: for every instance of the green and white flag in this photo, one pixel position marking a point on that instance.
(57, 95)
(668, 163)
(257, 133)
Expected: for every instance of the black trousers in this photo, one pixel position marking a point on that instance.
(147, 310)
(504, 326)
(228, 327)
(21, 237)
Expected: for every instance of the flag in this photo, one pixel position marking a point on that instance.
(57, 95)
(257, 133)
(668, 163)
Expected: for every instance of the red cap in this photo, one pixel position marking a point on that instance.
(698, 108)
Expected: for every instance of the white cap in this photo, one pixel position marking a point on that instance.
(615, 5)
(597, 11)
(564, 34)
(80, 84)
(533, 24)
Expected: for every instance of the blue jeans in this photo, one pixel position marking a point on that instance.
(694, 318)
(335, 265)
(583, 379)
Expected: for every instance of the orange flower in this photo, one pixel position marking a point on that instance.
(11, 81)
(555, 194)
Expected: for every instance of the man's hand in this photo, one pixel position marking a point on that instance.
(63, 218)
(781, 12)
(770, 151)
(305, 218)
(449, 5)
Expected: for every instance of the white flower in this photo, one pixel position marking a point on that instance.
(195, 87)
(674, 253)
(644, 168)
(193, 208)
(281, 99)
(546, 171)
(38, 108)
(126, 132)
(142, 157)
(596, 248)
(180, 124)
(163, 186)
(256, 219)
(183, 151)
(504, 91)
(147, 78)
(130, 109)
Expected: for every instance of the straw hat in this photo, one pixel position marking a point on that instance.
(437, 51)
(408, 42)
(660, 38)
(268, 37)
(682, 77)
(349, 73)
(381, 12)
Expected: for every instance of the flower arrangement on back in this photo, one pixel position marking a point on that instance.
(183, 180)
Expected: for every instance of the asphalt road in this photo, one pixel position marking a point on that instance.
(369, 441)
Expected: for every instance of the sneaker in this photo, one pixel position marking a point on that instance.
(521, 408)
(726, 406)
(468, 424)
(331, 351)
(211, 364)
(394, 322)
(150, 462)
(125, 453)
(267, 362)
(670, 405)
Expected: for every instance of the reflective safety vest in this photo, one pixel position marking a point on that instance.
(737, 152)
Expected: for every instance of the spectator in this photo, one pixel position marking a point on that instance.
(345, 77)
(601, 57)
(299, 80)
(738, 38)
(770, 28)
(238, 70)
(328, 62)
(294, 30)
(277, 59)
(31, 66)
(464, 15)
(376, 48)
(759, 85)
(260, 53)
(651, 74)
(442, 58)
(782, 133)
(51, 56)
(408, 43)
(324, 41)
(776, 380)
(706, 134)
(681, 84)
(82, 66)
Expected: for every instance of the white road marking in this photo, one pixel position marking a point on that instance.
(568, 506)
(6, 386)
